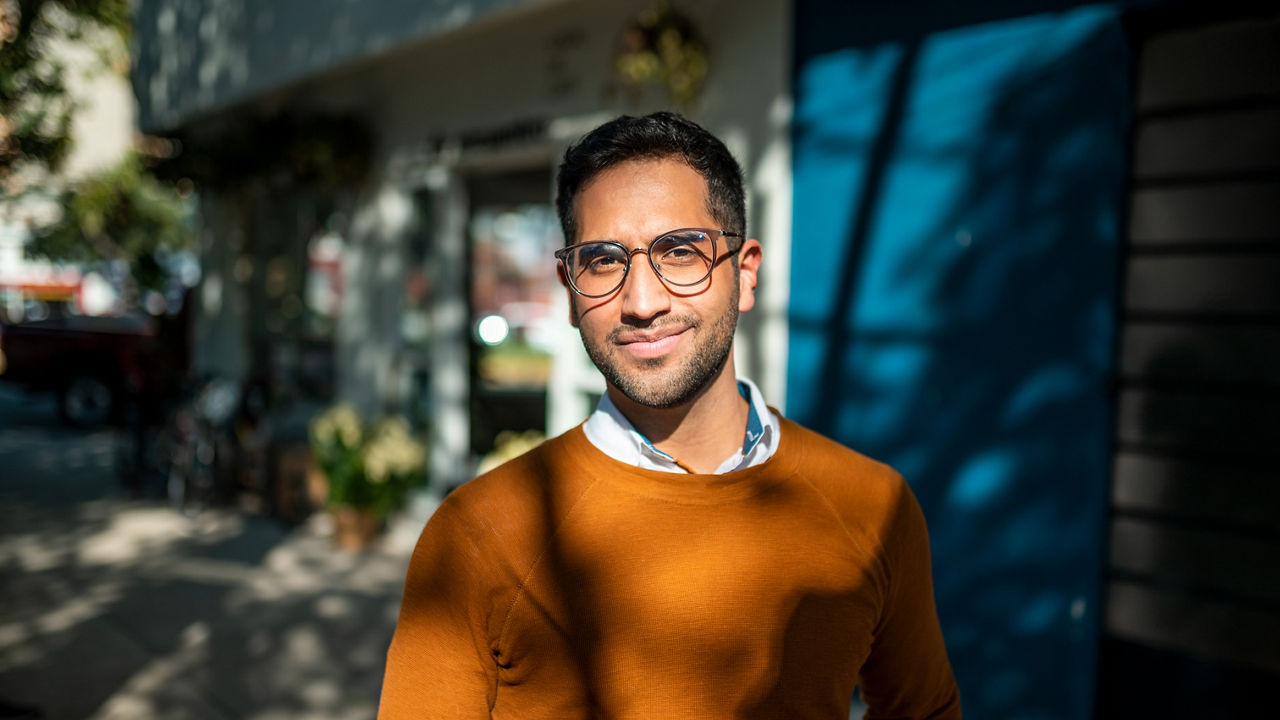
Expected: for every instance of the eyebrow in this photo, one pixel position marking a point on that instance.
(646, 242)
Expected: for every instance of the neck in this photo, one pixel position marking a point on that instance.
(700, 433)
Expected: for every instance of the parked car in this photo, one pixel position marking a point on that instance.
(94, 364)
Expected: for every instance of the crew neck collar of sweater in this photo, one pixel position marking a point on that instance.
(614, 435)
(689, 488)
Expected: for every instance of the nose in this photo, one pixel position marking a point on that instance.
(644, 296)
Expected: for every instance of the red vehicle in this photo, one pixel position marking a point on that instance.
(94, 364)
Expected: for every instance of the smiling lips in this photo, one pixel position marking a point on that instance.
(653, 345)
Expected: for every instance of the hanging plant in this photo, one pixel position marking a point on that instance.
(662, 47)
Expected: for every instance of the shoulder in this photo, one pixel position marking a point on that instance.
(871, 498)
(479, 544)
(837, 468)
(545, 471)
(518, 503)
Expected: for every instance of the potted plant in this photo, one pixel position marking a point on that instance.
(368, 471)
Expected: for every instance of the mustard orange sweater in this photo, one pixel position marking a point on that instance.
(565, 584)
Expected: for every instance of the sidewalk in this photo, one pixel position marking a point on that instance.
(119, 608)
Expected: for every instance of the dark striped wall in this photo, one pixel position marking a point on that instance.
(1192, 621)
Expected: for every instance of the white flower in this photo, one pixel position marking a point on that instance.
(392, 450)
(347, 424)
(508, 446)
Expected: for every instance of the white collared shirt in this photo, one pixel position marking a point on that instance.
(616, 437)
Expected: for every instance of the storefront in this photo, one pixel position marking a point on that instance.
(421, 282)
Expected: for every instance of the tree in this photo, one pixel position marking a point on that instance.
(35, 107)
(121, 213)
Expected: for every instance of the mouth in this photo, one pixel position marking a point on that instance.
(650, 345)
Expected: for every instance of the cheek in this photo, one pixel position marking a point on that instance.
(584, 311)
(590, 326)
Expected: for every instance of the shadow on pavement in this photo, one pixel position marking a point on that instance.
(120, 608)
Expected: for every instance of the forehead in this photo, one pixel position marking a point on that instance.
(642, 198)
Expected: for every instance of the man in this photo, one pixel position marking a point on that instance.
(686, 552)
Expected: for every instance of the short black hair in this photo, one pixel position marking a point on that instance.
(653, 137)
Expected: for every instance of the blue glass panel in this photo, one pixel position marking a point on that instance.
(964, 188)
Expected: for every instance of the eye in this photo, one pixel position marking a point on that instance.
(601, 263)
(684, 248)
(600, 259)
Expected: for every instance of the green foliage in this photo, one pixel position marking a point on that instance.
(121, 214)
(372, 468)
(35, 107)
(662, 47)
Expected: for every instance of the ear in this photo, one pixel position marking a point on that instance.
(573, 306)
(749, 258)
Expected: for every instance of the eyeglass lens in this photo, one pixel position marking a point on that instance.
(681, 258)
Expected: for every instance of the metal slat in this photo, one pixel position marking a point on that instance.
(1218, 563)
(1242, 498)
(1237, 283)
(1245, 357)
(1227, 213)
(1200, 423)
(1220, 143)
(1209, 64)
(1220, 630)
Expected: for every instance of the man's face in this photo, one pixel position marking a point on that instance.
(658, 345)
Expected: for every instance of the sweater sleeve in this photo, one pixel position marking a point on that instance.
(907, 674)
(438, 665)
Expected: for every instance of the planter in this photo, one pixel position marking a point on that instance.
(355, 529)
(317, 486)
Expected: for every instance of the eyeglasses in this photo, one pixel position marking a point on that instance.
(683, 257)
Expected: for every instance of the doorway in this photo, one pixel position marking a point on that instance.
(512, 231)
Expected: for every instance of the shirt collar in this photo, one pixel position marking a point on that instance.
(755, 427)
(615, 436)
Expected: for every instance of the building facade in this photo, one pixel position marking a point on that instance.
(467, 108)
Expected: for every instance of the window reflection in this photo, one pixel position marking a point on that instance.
(512, 282)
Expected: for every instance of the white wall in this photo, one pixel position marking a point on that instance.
(103, 125)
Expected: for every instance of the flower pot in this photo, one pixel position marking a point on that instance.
(355, 529)
(317, 486)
